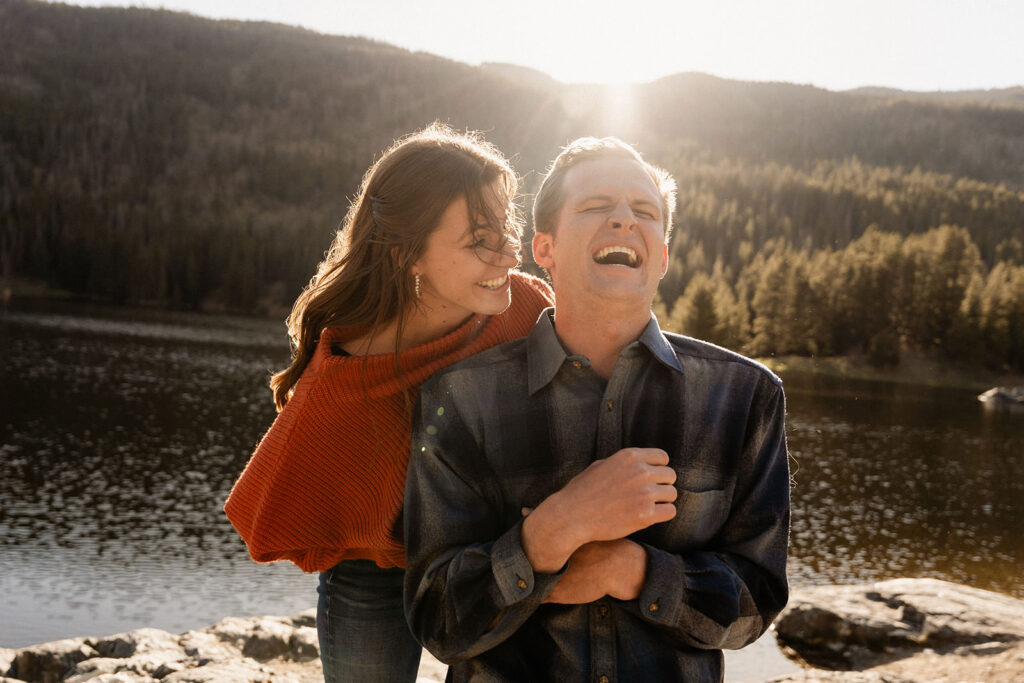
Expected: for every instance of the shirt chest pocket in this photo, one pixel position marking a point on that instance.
(699, 516)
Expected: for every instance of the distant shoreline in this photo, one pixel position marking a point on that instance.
(916, 368)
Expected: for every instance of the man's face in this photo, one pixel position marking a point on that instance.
(609, 241)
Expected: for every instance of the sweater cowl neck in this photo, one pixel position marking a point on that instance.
(412, 358)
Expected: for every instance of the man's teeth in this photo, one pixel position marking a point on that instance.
(494, 284)
(608, 251)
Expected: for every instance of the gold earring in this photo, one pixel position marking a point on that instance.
(416, 284)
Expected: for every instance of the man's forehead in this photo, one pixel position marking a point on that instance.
(609, 176)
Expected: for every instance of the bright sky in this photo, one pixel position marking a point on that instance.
(906, 44)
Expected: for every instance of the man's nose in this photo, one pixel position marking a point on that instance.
(622, 216)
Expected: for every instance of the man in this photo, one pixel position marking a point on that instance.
(599, 501)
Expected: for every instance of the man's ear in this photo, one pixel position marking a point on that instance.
(543, 248)
(664, 260)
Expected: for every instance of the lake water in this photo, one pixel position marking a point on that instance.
(121, 433)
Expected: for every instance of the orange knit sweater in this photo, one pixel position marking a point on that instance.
(326, 482)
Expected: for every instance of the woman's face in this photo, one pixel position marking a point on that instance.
(463, 270)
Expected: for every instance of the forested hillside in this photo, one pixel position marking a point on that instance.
(160, 158)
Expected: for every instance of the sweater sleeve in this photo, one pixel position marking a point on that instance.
(252, 494)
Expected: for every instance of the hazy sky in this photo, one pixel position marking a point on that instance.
(907, 44)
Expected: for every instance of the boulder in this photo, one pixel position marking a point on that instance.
(49, 662)
(304, 644)
(237, 671)
(106, 670)
(144, 639)
(1003, 396)
(306, 617)
(6, 659)
(843, 627)
(204, 647)
(841, 677)
(257, 637)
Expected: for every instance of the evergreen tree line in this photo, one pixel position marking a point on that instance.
(880, 294)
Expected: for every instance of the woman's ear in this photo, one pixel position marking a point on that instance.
(414, 269)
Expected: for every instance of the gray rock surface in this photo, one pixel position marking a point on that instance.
(889, 628)
(234, 650)
(272, 649)
(47, 663)
(900, 631)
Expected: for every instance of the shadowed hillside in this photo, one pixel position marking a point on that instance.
(162, 158)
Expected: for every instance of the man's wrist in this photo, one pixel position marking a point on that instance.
(546, 538)
(630, 570)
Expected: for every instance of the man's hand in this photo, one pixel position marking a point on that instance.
(612, 498)
(615, 568)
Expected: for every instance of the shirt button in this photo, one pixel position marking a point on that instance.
(610, 404)
(602, 679)
(603, 610)
(521, 583)
(576, 364)
(653, 607)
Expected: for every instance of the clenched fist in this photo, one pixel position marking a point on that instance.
(612, 498)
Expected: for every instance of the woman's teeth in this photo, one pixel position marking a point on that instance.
(494, 284)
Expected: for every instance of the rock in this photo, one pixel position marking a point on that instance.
(204, 647)
(893, 632)
(268, 640)
(841, 677)
(49, 662)
(6, 659)
(304, 644)
(260, 638)
(240, 671)
(1003, 396)
(853, 626)
(127, 644)
(106, 670)
(306, 617)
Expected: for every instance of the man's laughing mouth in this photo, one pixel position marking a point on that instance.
(617, 256)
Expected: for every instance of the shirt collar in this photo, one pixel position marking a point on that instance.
(655, 341)
(545, 353)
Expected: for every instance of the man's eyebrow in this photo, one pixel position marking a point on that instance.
(647, 202)
(608, 198)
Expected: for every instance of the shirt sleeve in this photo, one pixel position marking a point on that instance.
(726, 594)
(468, 584)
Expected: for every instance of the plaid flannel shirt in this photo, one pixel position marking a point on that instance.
(508, 427)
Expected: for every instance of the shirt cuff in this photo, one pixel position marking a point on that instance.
(662, 596)
(514, 574)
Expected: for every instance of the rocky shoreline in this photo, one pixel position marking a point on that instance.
(899, 631)
(903, 631)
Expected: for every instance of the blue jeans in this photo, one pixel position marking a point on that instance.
(360, 621)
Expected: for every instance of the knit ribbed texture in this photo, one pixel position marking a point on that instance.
(326, 483)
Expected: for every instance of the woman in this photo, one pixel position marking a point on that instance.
(418, 277)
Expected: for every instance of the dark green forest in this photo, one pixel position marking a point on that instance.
(156, 158)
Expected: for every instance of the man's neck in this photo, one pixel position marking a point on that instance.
(599, 336)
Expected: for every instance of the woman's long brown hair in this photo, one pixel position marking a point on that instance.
(364, 281)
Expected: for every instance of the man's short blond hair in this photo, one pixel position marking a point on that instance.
(551, 194)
